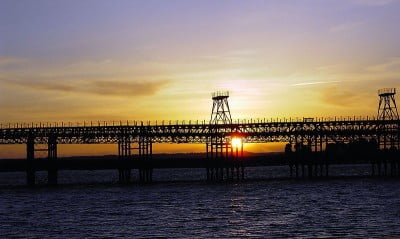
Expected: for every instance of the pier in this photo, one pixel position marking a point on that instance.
(304, 141)
(311, 143)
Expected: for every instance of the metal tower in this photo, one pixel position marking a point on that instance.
(387, 109)
(387, 112)
(219, 145)
(220, 111)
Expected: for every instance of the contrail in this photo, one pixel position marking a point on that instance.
(314, 83)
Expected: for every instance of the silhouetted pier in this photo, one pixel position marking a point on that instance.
(311, 144)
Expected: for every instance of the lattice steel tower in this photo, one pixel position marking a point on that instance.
(219, 143)
(387, 112)
(387, 109)
(220, 113)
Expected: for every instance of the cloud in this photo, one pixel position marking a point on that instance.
(346, 27)
(314, 83)
(127, 88)
(392, 65)
(9, 60)
(99, 87)
(340, 97)
(375, 2)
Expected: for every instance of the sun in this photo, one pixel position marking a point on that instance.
(236, 142)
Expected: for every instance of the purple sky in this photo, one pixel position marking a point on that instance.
(111, 60)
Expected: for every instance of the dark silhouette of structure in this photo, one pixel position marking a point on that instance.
(139, 148)
(220, 153)
(220, 113)
(387, 108)
(312, 143)
(388, 142)
(387, 111)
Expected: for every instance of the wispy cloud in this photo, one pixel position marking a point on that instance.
(392, 64)
(346, 27)
(8, 60)
(375, 2)
(100, 87)
(339, 97)
(314, 83)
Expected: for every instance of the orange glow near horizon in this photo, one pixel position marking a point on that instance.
(67, 150)
(161, 62)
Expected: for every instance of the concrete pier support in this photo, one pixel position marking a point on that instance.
(145, 154)
(310, 169)
(224, 160)
(327, 169)
(291, 169)
(124, 154)
(146, 175)
(372, 168)
(386, 163)
(307, 164)
(52, 171)
(226, 173)
(124, 175)
(377, 167)
(30, 161)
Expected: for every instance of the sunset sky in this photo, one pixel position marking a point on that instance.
(160, 60)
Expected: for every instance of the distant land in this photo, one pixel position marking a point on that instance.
(176, 160)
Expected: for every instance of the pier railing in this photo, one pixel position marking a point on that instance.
(253, 131)
(104, 123)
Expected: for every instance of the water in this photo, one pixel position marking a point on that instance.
(95, 206)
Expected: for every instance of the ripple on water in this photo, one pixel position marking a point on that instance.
(257, 209)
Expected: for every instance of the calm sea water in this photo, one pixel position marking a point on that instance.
(91, 204)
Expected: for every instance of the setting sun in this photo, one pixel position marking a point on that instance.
(236, 142)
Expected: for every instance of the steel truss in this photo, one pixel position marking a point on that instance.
(327, 131)
(136, 143)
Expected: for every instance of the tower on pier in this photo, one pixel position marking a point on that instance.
(220, 113)
(387, 109)
(387, 112)
(221, 142)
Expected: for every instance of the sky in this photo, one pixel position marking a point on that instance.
(161, 60)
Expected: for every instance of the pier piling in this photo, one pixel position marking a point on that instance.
(30, 161)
